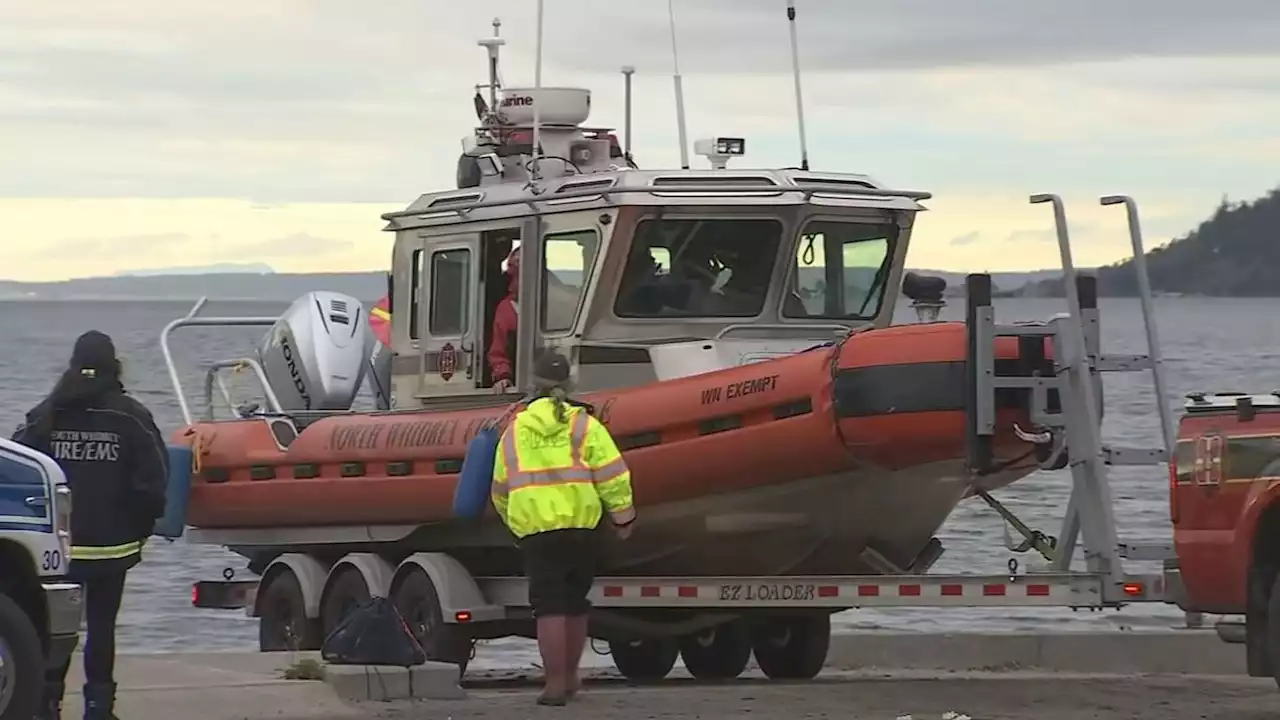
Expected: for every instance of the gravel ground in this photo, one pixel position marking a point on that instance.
(872, 697)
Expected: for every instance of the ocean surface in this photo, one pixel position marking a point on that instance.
(1209, 345)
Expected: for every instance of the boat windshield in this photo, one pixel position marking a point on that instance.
(699, 268)
(841, 271)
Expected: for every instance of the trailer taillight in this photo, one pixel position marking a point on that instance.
(224, 594)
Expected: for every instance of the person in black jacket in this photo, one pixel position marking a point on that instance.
(117, 468)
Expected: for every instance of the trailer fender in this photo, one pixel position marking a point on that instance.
(455, 587)
(377, 573)
(311, 577)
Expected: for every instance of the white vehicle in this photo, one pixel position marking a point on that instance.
(39, 611)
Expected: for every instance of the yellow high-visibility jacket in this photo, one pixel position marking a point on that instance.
(552, 475)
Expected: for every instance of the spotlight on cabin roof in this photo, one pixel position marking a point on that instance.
(718, 150)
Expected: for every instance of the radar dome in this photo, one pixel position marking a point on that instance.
(557, 106)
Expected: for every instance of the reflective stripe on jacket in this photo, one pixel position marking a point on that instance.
(553, 475)
(112, 552)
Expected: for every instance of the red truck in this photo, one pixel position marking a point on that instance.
(1224, 501)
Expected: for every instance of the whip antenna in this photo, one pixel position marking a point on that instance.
(795, 74)
(536, 173)
(491, 45)
(679, 88)
(627, 72)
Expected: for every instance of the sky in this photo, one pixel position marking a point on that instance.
(151, 133)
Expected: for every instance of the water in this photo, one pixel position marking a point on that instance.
(1209, 344)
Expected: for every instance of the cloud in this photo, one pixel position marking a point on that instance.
(926, 34)
(968, 238)
(1032, 236)
(294, 244)
(184, 232)
(105, 248)
(305, 119)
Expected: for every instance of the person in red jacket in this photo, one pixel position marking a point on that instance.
(506, 318)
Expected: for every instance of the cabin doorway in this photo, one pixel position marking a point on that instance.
(495, 248)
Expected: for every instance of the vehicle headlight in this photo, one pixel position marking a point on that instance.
(62, 517)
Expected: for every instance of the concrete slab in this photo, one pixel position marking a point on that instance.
(212, 686)
(1174, 651)
(860, 696)
(365, 683)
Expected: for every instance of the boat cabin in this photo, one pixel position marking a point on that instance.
(635, 275)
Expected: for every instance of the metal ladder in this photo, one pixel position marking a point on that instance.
(1075, 426)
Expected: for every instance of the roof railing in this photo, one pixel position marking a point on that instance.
(806, 190)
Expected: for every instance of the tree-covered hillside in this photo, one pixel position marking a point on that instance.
(1235, 253)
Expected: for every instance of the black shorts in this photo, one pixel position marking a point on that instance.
(560, 566)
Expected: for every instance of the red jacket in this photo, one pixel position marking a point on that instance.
(502, 348)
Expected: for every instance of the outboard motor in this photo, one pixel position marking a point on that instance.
(317, 354)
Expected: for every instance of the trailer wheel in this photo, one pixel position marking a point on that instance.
(644, 659)
(415, 598)
(792, 647)
(1273, 629)
(345, 592)
(21, 663)
(718, 653)
(283, 623)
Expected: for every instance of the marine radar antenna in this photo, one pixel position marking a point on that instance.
(530, 133)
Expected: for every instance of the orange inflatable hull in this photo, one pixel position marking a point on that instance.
(873, 425)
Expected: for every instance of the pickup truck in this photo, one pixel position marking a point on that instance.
(1225, 505)
(39, 610)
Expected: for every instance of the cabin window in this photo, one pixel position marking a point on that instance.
(567, 261)
(450, 292)
(415, 294)
(1250, 458)
(840, 272)
(699, 268)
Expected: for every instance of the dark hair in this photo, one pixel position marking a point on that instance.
(550, 378)
(94, 372)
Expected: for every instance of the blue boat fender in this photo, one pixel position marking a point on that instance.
(471, 495)
(173, 523)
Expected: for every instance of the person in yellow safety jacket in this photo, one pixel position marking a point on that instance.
(116, 465)
(556, 474)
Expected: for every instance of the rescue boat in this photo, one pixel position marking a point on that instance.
(730, 327)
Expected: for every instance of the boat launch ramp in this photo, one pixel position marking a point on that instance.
(1168, 675)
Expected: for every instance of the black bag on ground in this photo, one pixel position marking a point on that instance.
(373, 634)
